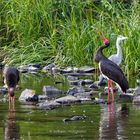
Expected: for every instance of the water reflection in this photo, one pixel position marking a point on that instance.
(11, 127)
(113, 117)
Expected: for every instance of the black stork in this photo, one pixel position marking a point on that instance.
(11, 79)
(110, 70)
(116, 58)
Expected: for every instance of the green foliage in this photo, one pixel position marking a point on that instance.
(65, 32)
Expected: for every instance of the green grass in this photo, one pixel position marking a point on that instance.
(65, 32)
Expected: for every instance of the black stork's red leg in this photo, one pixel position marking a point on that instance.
(112, 90)
(108, 96)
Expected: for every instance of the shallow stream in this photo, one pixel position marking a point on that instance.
(115, 121)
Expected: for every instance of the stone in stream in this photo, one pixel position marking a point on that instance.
(25, 95)
(28, 96)
(86, 69)
(75, 118)
(137, 89)
(52, 92)
(93, 86)
(3, 90)
(128, 97)
(48, 67)
(67, 100)
(35, 65)
(99, 101)
(23, 69)
(48, 105)
(74, 90)
(136, 99)
(28, 68)
(81, 82)
(72, 78)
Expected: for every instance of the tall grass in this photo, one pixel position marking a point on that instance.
(65, 32)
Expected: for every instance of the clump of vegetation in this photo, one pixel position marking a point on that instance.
(65, 32)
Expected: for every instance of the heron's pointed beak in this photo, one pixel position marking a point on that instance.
(124, 38)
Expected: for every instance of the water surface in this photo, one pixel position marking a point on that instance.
(115, 121)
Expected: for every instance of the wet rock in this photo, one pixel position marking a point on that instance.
(52, 92)
(86, 69)
(48, 105)
(99, 101)
(136, 100)
(35, 65)
(67, 100)
(34, 98)
(74, 90)
(130, 90)
(84, 99)
(138, 82)
(102, 94)
(137, 89)
(56, 70)
(23, 69)
(126, 97)
(3, 90)
(49, 67)
(72, 78)
(81, 82)
(86, 82)
(42, 98)
(84, 94)
(28, 68)
(75, 82)
(75, 118)
(67, 70)
(102, 81)
(32, 68)
(93, 86)
(25, 95)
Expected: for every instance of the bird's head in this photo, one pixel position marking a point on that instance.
(120, 37)
(104, 40)
(11, 91)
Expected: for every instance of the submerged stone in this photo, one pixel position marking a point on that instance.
(86, 69)
(25, 95)
(3, 90)
(49, 67)
(67, 100)
(126, 97)
(72, 78)
(74, 90)
(52, 92)
(75, 118)
(99, 101)
(48, 105)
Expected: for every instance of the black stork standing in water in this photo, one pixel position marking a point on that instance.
(110, 70)
(11, 79)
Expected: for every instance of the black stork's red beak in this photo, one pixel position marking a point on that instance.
(104, 40)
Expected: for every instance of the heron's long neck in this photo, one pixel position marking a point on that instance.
(119, 49)
(99, 55)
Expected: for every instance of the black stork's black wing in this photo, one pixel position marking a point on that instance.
(113, 72)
